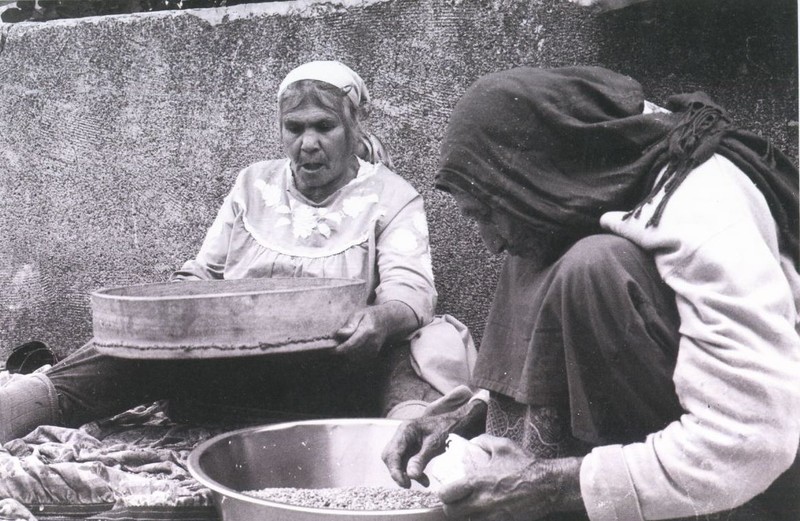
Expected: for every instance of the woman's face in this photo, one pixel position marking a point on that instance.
(501, 232)
(319, 148)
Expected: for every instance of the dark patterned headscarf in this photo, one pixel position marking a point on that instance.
(557, 148)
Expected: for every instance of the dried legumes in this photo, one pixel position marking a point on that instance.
(350, 498)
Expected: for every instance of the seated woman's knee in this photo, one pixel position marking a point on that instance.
(596, 257)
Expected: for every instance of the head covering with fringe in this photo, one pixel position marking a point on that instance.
(560, 147)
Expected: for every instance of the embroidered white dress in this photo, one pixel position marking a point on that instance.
(374, 228)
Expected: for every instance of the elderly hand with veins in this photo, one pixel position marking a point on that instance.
(513, 485)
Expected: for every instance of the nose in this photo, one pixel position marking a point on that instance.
(491, 239)
(309, 141)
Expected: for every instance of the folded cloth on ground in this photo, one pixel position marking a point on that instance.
(13, 510)
(135, 460)
(443, 353)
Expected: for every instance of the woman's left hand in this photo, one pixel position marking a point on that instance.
(364, 333)
(367, 330)
(513, 485)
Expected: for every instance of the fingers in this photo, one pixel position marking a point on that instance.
(406, 456)
(455, 491)
(423, 480)
(465, 499)
(349, 327)
(396, 454)
(351, 335)
(416, 466)
(431, 447)
(351, 345)
(493, 444)
(486, 441)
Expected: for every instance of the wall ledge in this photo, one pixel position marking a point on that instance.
(212, 15)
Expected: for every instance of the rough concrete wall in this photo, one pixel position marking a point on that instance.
(119, 136)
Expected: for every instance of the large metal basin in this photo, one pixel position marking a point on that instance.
(307, 454)
(223, 318)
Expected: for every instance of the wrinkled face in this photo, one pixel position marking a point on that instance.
(501, 232)
(319, 148)
(483, 216)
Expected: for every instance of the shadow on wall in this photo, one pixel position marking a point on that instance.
(729, 39)
(742, 52)
(14, 11)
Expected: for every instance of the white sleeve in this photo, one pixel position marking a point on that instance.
(738, 369)
(211, 259)
(404, 261)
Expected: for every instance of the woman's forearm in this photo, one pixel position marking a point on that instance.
(398, 317)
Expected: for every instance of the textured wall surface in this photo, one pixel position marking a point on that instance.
(119, 136)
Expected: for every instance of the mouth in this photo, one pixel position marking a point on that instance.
(312, 167)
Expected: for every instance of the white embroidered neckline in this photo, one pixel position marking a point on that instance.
(293, 216)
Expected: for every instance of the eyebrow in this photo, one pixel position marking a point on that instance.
(312, 121)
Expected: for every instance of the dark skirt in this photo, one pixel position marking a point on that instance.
(253, 389)
(597, 336)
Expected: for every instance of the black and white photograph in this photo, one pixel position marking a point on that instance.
(399, 260)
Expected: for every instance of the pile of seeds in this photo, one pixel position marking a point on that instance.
(350, 498)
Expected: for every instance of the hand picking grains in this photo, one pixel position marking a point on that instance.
(350, 498)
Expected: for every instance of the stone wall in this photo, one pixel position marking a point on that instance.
(120, 135)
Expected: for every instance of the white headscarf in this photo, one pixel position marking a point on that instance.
(333, 72)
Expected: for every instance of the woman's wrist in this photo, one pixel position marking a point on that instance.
(399, 316)
(472, 419)
(561, 476)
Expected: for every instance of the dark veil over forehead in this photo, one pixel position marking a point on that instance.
(554, 147)
(557, 148)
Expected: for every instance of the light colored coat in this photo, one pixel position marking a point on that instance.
(738, 369)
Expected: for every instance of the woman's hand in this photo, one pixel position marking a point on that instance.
(363, 334)
(513, 485)
(367, 330)
(418, 441)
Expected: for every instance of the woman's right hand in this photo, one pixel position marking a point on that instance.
(418, 441)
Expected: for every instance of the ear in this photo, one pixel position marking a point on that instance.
(362, 148)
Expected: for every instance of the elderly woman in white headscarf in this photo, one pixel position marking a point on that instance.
(331, 208)
(325, 211)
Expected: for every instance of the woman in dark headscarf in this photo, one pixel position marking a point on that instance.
(642, 356)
